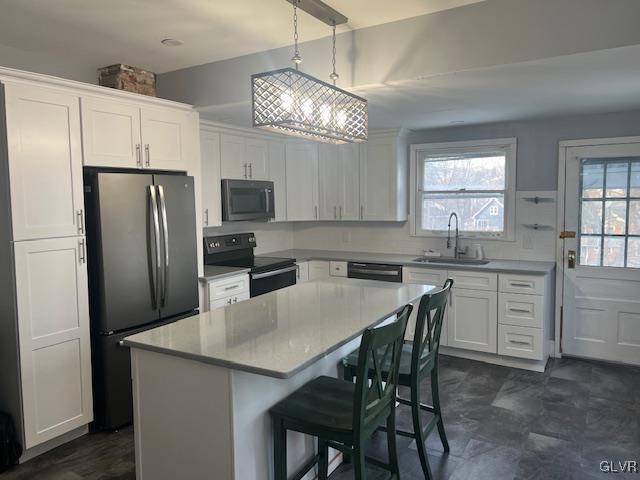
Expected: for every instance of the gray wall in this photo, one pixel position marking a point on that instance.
(537, 167)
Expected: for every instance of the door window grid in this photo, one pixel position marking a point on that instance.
(605, 236)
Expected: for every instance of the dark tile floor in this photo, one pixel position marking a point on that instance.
(502, 423)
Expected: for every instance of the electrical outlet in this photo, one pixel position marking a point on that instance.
(527, 241)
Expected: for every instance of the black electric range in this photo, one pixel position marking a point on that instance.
(266, 273)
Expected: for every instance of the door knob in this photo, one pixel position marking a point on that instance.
(571, 258)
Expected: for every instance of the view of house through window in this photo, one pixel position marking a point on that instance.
(470, 181)
(610, 212)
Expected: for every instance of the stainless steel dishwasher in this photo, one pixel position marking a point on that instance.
(375, 271)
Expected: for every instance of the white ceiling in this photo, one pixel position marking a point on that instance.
(130, 31)
(594, 82)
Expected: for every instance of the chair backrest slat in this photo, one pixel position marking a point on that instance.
(380, 350)
(426, 339)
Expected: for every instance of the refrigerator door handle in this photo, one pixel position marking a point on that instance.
(165, 234)
(156, 234)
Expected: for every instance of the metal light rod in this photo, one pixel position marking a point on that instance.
(321, 11)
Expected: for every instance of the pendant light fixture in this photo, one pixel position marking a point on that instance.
(294, 103)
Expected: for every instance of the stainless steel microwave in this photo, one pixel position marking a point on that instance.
(247, 200)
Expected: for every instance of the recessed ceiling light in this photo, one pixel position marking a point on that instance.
(171, 42)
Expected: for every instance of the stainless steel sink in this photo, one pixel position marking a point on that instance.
(449, 260)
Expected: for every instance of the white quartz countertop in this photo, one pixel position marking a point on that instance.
(282, 332)
(504, 266)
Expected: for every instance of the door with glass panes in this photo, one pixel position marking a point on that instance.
(601, 251)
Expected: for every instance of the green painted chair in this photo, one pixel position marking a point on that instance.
(419, 360)
(342, 414)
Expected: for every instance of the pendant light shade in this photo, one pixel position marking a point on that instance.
(291, 102)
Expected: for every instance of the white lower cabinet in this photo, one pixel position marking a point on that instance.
(53, 330)
(319, 269)
(522, 342)
(338, 269)
(424, 276)
(473, 320)
(227, 291)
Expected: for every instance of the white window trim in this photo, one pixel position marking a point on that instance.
(509, 144)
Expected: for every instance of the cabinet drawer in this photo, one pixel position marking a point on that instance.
(228, 287)
(474, 280)
(529, 284)
(521, 342)
(424, 276)
(519, 309)
(338, 269)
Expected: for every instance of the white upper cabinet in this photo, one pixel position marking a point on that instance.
(45, 162)
(339, 182)
(302, 181)
(53, 329)
(163, 137)
(127, 135)
(278, 175)
(244, 158)
(384, 178)
(210, 178)
(111, 133)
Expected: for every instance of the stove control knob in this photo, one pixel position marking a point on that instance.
(217, 244)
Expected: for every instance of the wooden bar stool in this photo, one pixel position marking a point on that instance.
(343, 415)
(419, 359)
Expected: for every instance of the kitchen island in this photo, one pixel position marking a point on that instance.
(203, 386)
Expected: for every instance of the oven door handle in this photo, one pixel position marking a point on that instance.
(258, 276)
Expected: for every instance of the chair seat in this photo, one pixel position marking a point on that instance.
(322, 403)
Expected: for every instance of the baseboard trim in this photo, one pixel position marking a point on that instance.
(53, 443)
(524, 364)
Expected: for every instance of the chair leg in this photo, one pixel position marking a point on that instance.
(359, 468)
(347, 374)
(417, 430)
(391, 445)
(279, 450)
(435, 393)
(323, 461)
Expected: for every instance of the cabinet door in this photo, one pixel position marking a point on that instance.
(45, 162)
(319, 269)
(111, 134)
(473, 320)
(53, 323)
(378, 177)
(277, 174)
(424, 276)
(329, 182)
(257, 157)
(302, 181)
(163, 137)
(349, 181)
(232, 160)
(211, 197)
(302, 274)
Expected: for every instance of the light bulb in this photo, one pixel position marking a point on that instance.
(341, 118)
(287, 101)
(325, 114)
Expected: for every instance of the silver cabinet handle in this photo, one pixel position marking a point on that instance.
(232, 287)
(258, 276)
(315, 212)
(165, 234)
(361, 212)
(80, 220)
(340, 212)
(518, 284)
(335, 212)
(519, 310)
(82, 253)
(266, 200)
(138, 155)
(206, 217)
(148, 155)
(156, 234)
(245, 170)
(519, 342)
(229, 301)
(251, 170)
(235, 299)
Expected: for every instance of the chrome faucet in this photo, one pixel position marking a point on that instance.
(456, 252)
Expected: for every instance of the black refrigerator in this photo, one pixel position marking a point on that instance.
(143, 273)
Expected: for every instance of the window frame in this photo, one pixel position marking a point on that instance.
(418, 151)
